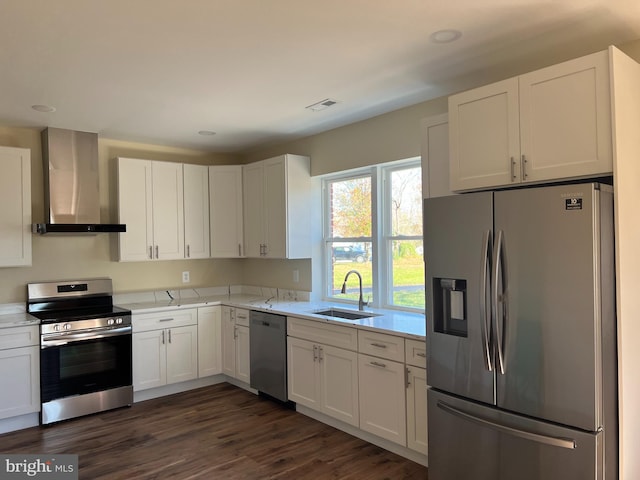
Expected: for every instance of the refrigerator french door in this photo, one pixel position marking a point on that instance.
(521, 322)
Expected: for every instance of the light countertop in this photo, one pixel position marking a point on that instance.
(10, 319)
(395, 322)
(410, 325)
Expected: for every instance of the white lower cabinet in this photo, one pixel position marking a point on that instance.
(209, 341)
(242, 354)
(417, 409)
(382, 398)
(235, 343)
(19, 371)
(416, 358)
(323, 378)
(368, 379)
(165, 348)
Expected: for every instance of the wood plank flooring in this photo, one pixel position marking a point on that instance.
(218, 432)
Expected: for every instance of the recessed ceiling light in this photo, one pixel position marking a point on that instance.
(445, 36)
(206, 132)
(326, 103)
(43, 108)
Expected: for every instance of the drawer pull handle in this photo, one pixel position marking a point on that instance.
(379, 345)
(378, 364)
(420, 354)
(165, 319)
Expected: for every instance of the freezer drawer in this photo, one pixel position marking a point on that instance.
(472, 441)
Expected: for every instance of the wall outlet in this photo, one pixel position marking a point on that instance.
(185, 277)
(296, 276)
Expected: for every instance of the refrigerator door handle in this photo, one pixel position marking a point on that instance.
(485, 316)
(532, 436)
(499, 277)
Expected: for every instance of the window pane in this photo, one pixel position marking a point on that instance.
(406, 202)
(408, 273)
(350, 208)
(346, 256)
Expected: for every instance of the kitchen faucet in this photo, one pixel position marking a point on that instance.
(361, 302)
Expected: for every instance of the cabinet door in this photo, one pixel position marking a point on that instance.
(228, 342)
(135, 199)
(15, 214)
(435, 156)
(182, 353)
(484, 136)
(565, 119)
(243, 358)
(417, 409)
(275, 207)
(382, 398)
(303, 373)
(225, 194)
(209, 341)
(20, 379)
(149, 360)
(168, 211)
(196, 210)
(339, 383)
(252, 191)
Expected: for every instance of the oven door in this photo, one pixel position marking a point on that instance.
(84, 362)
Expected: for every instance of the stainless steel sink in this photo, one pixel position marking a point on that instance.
(345, 314)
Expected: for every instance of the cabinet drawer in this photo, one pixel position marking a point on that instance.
(242, 317)
(416, 353)
(328, 334)
(145, 322)
(15, 337)
(381, 345)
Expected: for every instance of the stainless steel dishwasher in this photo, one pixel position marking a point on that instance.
(268, 353)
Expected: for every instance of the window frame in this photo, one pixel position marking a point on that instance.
(381, 238)
(387, 238)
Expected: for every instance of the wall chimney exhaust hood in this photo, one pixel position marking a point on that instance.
(71, 187)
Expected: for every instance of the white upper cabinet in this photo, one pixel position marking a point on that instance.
(15, 214)
(151, 204)
(553, 123)
(277, 197)
(435, 156)
(253, 187)
(196, 211)
(225, 197)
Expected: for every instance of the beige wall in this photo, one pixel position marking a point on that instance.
(78, 256)
(384, 138)
(388, 137)
(392, 136)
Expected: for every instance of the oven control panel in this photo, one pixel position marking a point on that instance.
(63, 327)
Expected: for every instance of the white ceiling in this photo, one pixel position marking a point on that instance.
(158, 71)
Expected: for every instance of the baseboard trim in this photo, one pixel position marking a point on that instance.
(20, 422)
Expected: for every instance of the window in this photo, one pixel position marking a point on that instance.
(348, 238)
(373, 224)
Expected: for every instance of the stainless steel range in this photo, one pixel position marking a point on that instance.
(85, 348)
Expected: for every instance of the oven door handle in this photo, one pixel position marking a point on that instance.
(57, 339)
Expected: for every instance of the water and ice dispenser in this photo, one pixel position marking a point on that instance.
(450, 306)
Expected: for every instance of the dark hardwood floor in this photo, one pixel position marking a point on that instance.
(218, 432)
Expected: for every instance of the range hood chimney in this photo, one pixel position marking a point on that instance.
(71, 194)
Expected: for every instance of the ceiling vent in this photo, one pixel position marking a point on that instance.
(324, 104)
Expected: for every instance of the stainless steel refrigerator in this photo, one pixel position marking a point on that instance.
(521, 338)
